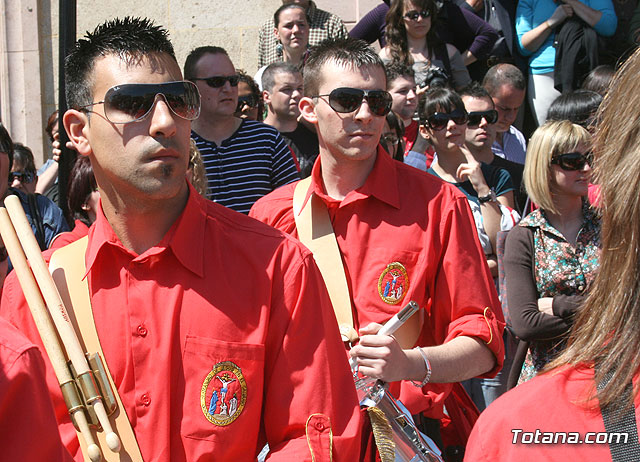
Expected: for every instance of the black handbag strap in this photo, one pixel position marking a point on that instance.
(622, 420)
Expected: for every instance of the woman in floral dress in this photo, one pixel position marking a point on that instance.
(551, 257)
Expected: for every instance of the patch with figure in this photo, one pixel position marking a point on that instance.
(393, 283)
(224, 394)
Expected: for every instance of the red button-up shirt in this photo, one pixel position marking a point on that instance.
(28, 429)
(220, 339)
(405, 235)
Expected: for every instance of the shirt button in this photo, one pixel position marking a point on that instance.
(145, 399)
(319, 426)
(142, 331)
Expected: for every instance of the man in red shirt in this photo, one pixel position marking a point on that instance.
(402, 235)
(217, 329)
(28, 430)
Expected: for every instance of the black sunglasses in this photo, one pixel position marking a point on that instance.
(22, 177)
(439, 120)
(248, 100)
(413, 14)
(344, 100)
(475, 118)
(572, 161)
(131, 102)
(219, 80)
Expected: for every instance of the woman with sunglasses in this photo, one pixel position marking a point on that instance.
(250, 105)
(444, 123)
(551, 257)
(412, 39)
(391, 138)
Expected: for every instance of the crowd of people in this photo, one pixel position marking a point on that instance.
(475, 164)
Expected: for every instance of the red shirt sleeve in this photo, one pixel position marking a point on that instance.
(314, 386)
(28, 428)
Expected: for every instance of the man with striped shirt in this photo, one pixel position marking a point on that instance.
(243, 159)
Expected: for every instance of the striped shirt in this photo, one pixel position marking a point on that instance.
(251, 163)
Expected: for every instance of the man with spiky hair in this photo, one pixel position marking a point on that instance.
(402, 236)
(217, 329)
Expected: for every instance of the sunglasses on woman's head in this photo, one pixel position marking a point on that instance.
(132, 102)
(218, 81)
(439, 120)
(475, 118)
(572, 161)
(345, 100)
(413, 15)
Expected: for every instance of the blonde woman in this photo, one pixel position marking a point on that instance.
(551, 257)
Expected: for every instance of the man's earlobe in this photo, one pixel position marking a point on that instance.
(266, 97)
(308, 110)
(76, 123)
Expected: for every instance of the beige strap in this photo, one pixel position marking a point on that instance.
(67, 267)
(316, 232)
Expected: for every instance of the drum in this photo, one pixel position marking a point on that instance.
(409, 444)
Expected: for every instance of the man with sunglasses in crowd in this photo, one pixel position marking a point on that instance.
(282, 90)
(507, 87)
(216, 329)
(481, 134)
(402, 235)
(243, 159)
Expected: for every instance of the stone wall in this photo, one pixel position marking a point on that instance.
(29, 45)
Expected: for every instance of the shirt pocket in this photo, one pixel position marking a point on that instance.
(223, 390)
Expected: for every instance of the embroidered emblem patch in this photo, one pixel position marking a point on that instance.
(393, 283)
(223, 394)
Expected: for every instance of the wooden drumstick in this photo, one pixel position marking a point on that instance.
(58, 311)
(44, 325)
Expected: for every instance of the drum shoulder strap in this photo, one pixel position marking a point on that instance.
(316, 232)
(67, 266)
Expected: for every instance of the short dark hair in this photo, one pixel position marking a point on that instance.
(82, 183)
(439, 99)
(6, 144)
(502, 74)
(578, 106)
(268, 76)
(475, 90)
(348, 52)
(289, 6)
(24, 156)
(129, 38)
(195, 55)
(398, 69)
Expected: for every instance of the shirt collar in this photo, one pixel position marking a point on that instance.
(185, 238)
(381, 182)
(538, 219)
